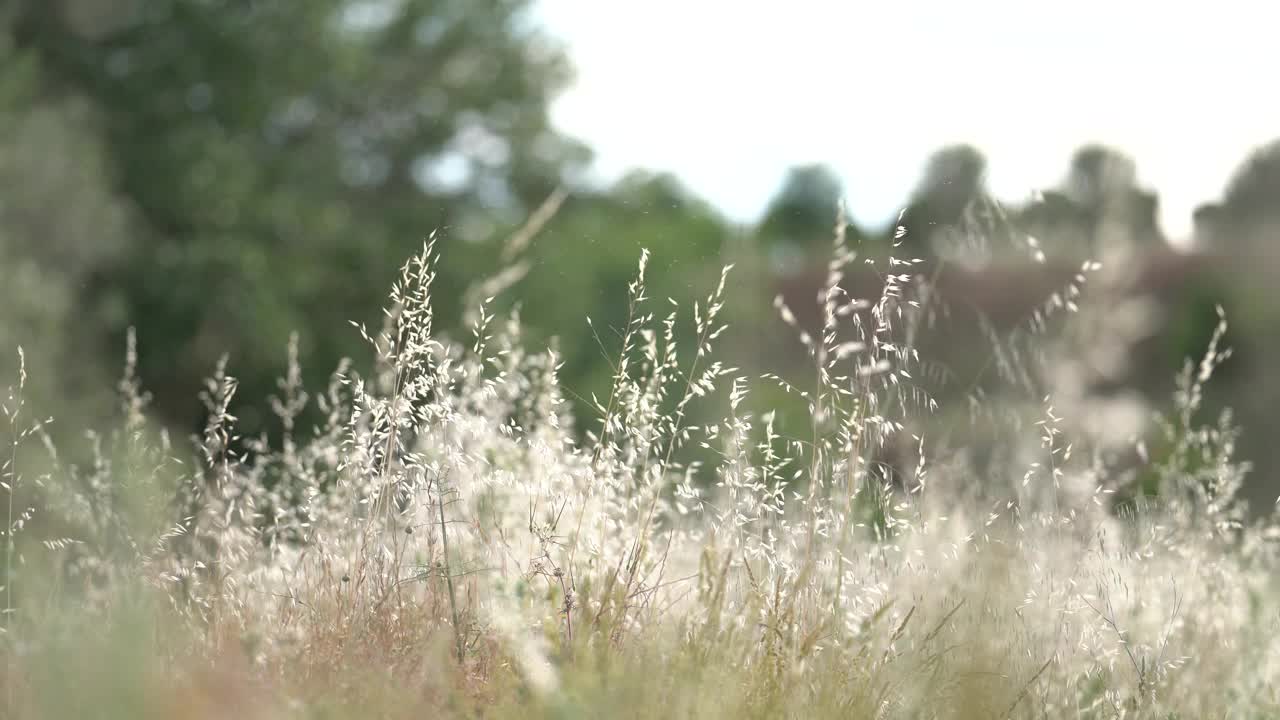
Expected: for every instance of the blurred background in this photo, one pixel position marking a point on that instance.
(221, 173)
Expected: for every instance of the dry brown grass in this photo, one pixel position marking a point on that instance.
(444, 544)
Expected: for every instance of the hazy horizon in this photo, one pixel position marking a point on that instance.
(863, 92)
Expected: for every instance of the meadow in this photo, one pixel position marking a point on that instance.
(449, 540)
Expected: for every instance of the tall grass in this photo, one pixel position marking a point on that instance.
(446, 542)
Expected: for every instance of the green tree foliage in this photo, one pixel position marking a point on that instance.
(1098, 207)
(59, 220)
(588, 254)
(952, 182)
(1240, 232)
(282, 158)
(1246, 222)
(1254, 191)
(803, 210)
(1098, 175)
(950, 213)
(796, 229)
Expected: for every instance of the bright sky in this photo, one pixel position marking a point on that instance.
(727, 94)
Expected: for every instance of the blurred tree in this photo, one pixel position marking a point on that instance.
(588, 254)
(1099, 175)
(950, 213)
(59, 220)
(1056, 221)
(1253, 195)
(803, 210)
(1098, 209)
(283, 158)
(1207, 224)
(953, 180)
(1239, 234)
(799, 221)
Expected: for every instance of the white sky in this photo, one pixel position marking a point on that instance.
(727, 94)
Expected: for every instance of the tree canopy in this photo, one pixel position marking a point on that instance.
(1253, 194)
(280, 159)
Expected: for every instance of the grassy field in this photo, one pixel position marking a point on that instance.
(449, 542)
